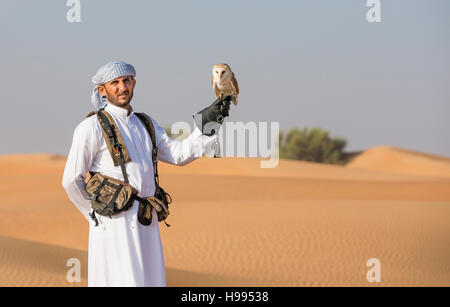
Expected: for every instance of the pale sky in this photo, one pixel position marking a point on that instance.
(301, 63)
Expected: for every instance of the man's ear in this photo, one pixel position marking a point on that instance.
(101, 90)
(134, 83)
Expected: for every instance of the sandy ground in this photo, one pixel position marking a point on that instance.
(235, 224)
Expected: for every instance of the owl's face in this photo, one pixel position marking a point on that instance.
(221, 73)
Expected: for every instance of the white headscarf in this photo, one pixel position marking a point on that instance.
(106, 73)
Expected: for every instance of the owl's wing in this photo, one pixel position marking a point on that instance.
(216, 89)
(235, 84)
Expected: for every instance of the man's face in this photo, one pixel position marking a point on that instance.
(118, 91)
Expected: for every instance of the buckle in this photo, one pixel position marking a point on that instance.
(116, 150)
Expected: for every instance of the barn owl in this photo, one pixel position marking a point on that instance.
(224, 82)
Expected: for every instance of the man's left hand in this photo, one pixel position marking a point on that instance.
(213, 116)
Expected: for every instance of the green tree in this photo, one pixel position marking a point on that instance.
(314, 145)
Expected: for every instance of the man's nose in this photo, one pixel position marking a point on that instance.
(122, 86)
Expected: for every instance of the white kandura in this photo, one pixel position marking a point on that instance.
(122, 252)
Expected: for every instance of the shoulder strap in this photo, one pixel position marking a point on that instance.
(114, 141)
(148, 124)
(110, 120)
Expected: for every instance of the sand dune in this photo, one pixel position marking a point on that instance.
(250, 167)
(29, 263)
(401, 161)
(235, 224)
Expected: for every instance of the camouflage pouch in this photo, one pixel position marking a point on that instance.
(165, 199)
(109, 196)
(160, 202)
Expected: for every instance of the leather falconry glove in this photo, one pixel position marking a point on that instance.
(209, 119)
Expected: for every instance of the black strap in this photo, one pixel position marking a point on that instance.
(97, 191)
(115, 145)
(114, 198)
(139, 199)
(148, 124)
(93, 217)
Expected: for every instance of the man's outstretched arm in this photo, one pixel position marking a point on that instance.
(181, 152)
(194, 146)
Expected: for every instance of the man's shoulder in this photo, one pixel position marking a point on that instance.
(88, 125)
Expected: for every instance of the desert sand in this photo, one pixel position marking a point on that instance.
(235, 224)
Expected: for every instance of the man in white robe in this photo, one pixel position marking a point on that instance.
(123, 252)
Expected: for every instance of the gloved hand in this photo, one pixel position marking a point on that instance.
(209, 119)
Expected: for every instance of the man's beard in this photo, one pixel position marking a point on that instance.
(114, 99)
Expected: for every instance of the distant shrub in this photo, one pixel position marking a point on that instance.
(314, 145)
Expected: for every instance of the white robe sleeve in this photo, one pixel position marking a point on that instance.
(82, 153)
(181, 152)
